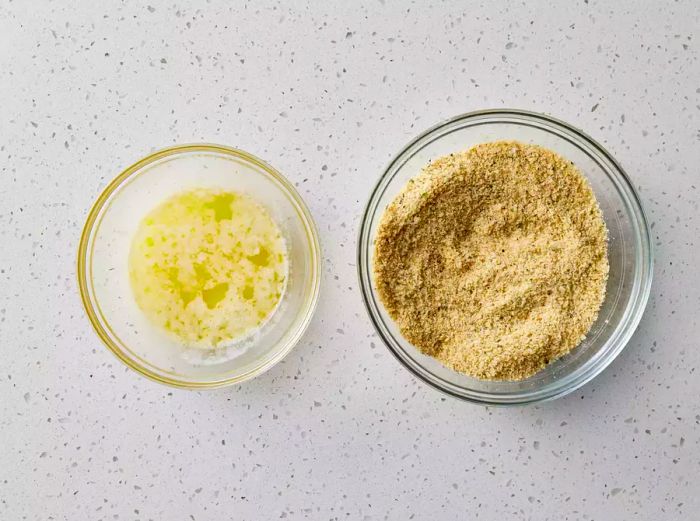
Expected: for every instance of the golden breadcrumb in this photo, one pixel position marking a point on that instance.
(494, 260)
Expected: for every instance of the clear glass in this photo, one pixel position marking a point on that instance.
(103, 265)
(629, 253)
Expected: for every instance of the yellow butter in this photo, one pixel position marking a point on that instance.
(208, 266)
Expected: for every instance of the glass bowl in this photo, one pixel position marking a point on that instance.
(103, 264)
(629, 253)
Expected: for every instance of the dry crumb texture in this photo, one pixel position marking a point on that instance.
(494, 260)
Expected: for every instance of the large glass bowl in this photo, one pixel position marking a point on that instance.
(103, 265)
(629, 253)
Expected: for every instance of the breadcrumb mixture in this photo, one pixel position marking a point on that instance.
(494, 260)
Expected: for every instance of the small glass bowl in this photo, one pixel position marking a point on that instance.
(103, 265)
(629, 253)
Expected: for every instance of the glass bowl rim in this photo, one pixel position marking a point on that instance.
(643, 254)
(100, 203)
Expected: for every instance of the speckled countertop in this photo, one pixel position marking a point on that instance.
(328, 93)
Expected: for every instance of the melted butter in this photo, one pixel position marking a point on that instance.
(208, 266)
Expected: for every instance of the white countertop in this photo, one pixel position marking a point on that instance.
(327, 94)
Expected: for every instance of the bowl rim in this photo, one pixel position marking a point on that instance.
(643, 252)
(100, 203)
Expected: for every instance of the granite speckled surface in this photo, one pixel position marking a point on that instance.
(328, 93)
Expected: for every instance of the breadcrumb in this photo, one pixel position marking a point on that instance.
(494, 260)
